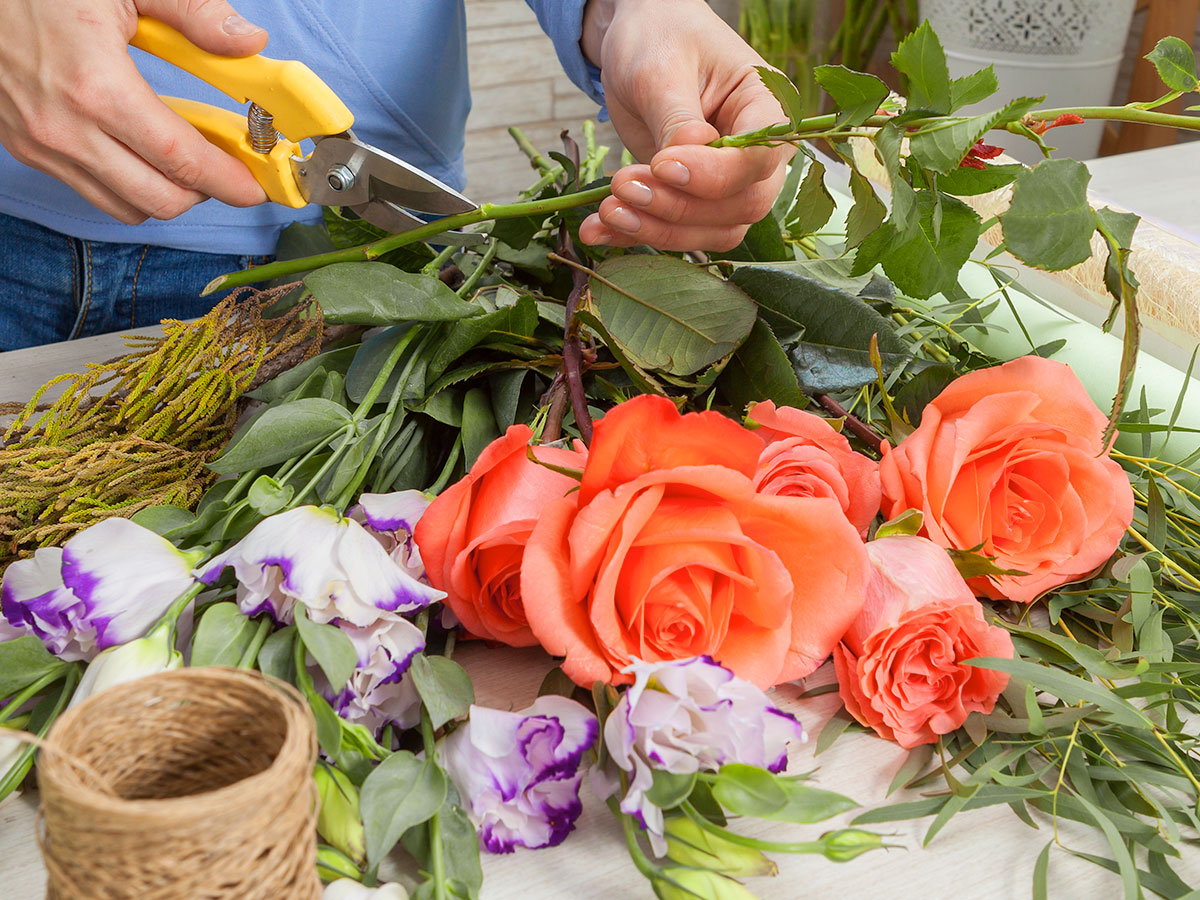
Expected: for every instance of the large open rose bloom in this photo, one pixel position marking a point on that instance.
(804, 456)
(1009, 460)
(899, 666)
(472, 537)
(668, 552)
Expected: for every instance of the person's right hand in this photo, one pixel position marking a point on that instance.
(73, 105)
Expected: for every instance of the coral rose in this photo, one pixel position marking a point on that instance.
(473, 535)
(899, 667)
(1009, 460)
(805, 457)
(668, 552)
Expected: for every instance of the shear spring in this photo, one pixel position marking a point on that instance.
(261, 125)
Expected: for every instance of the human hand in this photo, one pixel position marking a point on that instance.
(73, 105)
(676, 77)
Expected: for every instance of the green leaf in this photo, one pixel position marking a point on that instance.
(277, 656)
(1176, 64)
(760, 370)
(668, 314)
(1125, 863)
(519, 319)
(478, 425)
(857, 94)
(814, 204)
(403, 791)
(287, 381)
(968, 182)
(268, 496)
(280, 433)
(222, 636)
(1068, 688)
(23, 661)
(921, 58)
(888, 141)
(867, 213)
(669, 789)
(916, 393)
(795, 305)
(329, 646)
(973, 88)
(375, 293)
(783, 91)
(505, 391)
(444, 686)
(924, 260)
(164, 518)
(914, 764)
(371, 357)
(763, 243)
(751, 791)
(1050, 223)
(460, 852)
(941, 147)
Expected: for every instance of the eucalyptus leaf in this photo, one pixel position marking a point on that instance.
(280, 433)
(375, 293)
(402, 792)
(222, 637)
(668, 314)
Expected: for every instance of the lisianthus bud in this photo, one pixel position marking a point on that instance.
(690, 845)
(688, 716)
(846, 843)
(146, 656)
(519, 771)
(699, 884)
(333, 864)
(338, 820)
(347, 889)
(105, 586)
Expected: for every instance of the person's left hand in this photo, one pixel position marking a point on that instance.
(676, 77)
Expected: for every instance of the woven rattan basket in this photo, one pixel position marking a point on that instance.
(188, 785)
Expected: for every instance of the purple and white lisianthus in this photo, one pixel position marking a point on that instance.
(519, 772)
(106, 586)
(377, 694)
(328, 562)
(686, 716)
(391, 519)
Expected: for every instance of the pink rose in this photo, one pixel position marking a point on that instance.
(899, 667)
(805, 457)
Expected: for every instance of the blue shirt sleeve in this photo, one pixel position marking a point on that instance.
(562, 20)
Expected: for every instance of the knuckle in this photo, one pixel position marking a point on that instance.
(181, 166)
(168, 205)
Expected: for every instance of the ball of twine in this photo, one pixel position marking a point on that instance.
(194, 784)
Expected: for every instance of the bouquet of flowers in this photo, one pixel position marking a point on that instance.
(608, 454)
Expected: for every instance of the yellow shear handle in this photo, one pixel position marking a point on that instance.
(227, 130)
(303, 105)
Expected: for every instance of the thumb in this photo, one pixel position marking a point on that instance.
(212, 25)
(674, 117)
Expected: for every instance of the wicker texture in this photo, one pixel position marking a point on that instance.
(189, 785)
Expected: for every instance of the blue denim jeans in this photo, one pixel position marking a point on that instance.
(54, 287)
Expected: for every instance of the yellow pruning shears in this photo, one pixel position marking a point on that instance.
(290, 103)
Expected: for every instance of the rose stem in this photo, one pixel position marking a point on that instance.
(572, 347)
(860, 429)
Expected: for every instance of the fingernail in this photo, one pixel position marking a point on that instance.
(624, 219)
(672, 171)
(236, 26)
(635, 192)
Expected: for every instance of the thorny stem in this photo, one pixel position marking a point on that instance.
(857, 427)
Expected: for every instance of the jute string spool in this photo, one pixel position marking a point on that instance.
(188, 785)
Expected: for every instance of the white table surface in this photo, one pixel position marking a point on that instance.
(1161, 184)
(984, 854)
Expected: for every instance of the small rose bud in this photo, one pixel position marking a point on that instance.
(690, 884)
(690, 845)
(846, 843)
(339, 821)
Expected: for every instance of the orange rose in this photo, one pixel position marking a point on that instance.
(669, 552)
(899, 667)
(472, 537)
(1009, 460)
(805, 457)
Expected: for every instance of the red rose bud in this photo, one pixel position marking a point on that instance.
(1065, 119)
(978, 153)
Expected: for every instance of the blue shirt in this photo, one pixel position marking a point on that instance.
(401, 67)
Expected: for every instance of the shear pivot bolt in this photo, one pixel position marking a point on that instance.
(340, 178)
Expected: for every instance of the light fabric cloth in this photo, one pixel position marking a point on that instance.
(401, 67)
